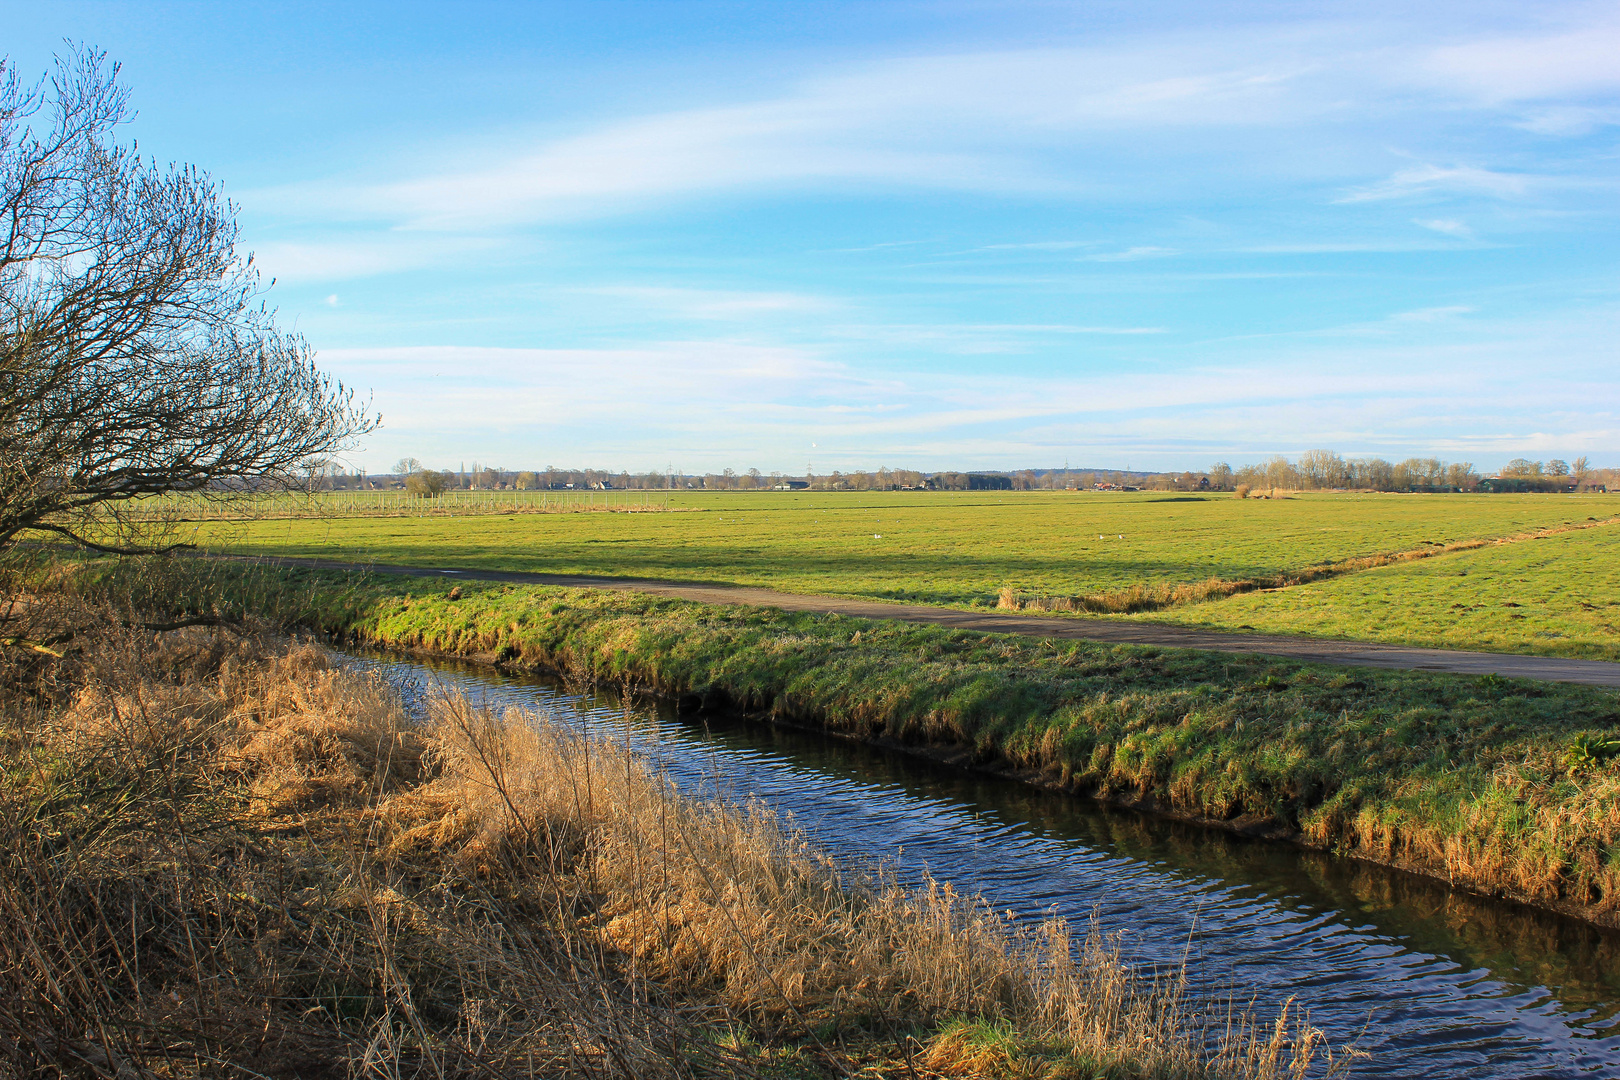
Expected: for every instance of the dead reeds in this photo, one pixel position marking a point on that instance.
(225, 855)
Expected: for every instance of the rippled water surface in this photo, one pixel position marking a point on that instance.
(1434, 985)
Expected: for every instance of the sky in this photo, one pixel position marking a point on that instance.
(1000, 235)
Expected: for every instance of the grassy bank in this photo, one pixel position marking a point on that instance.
(1505, 787)
(226, 857)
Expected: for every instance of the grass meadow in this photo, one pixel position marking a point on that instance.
(1558, 595)
(963, 549)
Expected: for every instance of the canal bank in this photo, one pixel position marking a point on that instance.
(1496, 786)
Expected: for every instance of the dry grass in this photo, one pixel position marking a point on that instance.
(223, 856)
(708, 895)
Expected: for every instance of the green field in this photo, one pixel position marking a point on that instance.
(962, 549)
(1559, 595)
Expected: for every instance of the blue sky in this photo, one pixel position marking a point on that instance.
(926, 235)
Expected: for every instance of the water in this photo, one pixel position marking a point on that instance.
(1430, 983)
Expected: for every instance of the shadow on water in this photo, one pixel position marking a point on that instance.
(1440, 984)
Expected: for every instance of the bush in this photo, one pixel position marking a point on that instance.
(1242, 491)
(427, 484)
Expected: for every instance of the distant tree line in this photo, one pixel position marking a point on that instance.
(1325, 470)
(1319, 470)
(1314, 470)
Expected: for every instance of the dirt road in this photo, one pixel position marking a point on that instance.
(1316, 650)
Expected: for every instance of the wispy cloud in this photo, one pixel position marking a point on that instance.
(1567, 120)
(975, 338)
(884, 246)
(712, 303)
(1100, 121)
(874, 124)
(346, 257)
(1040, 245)
(1447, 226)
(1426, 179)
(1532, 67)
(719, 403)
(1433, 314)
(1131, 254)
(1101, 215)
(1344, 247)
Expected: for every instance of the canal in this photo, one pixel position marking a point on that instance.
(1430, 983)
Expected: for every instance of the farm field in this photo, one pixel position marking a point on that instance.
(962, 549)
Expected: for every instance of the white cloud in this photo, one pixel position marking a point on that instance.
(1567, 120)
(1242, 128)
(1447, 226)
(1130, 254)
(299, 261)
(716, 403)
(1077, 122)
(1532, 67)
(971, 121)
(1426, 179)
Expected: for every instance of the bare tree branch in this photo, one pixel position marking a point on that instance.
(135, 357)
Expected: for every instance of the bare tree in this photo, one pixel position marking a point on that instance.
(1321, 469)
(135, 356)
(1460, 476)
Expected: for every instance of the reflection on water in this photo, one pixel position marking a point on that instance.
(1437, 984)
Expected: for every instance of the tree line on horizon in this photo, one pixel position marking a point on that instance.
(1314, 470)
